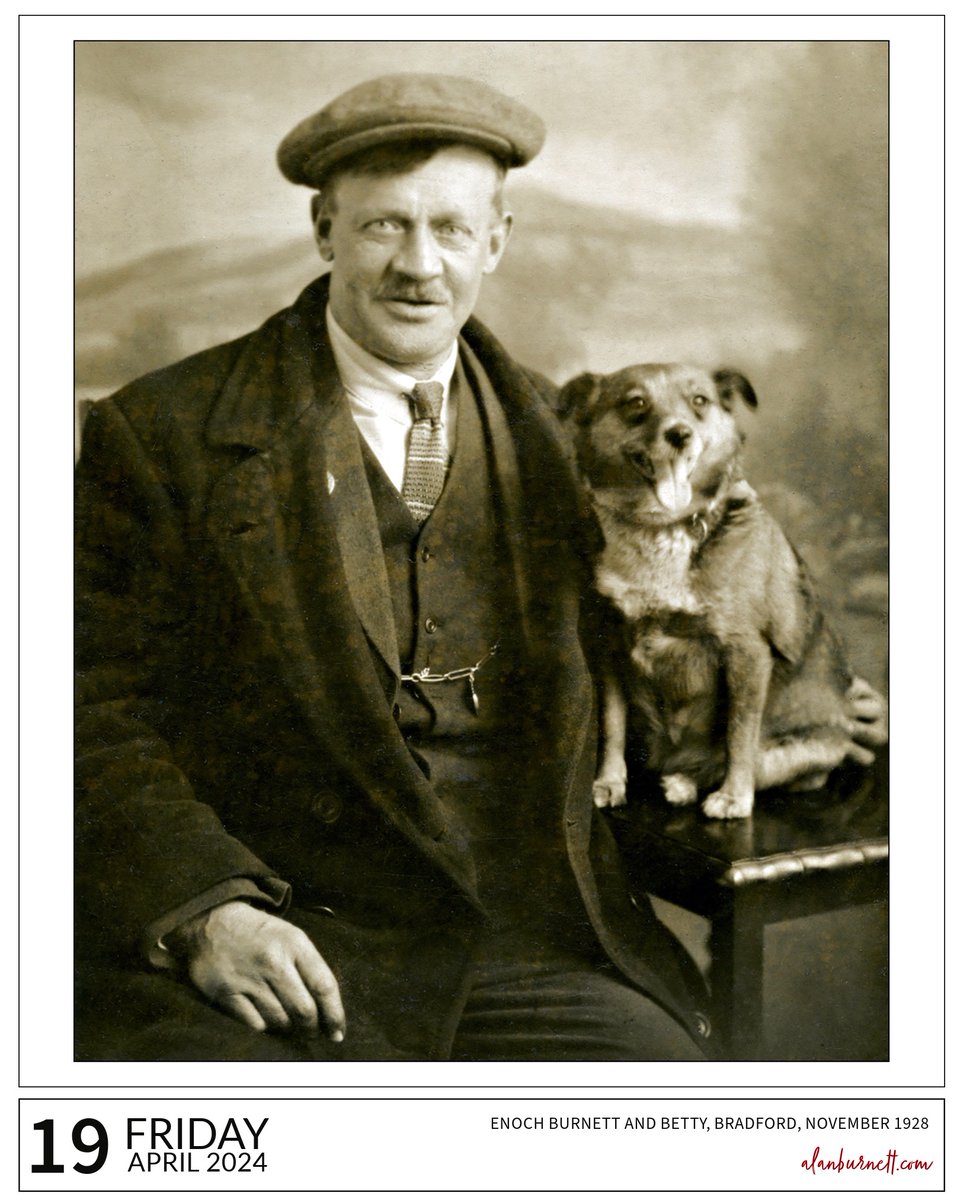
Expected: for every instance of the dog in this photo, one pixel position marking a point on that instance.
(717, 647)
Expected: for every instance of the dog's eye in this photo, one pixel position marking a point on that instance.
(700, 401)
(634, 408)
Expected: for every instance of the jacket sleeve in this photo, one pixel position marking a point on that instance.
(145, 846)
(153, 944)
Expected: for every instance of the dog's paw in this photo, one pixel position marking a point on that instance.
(609, 793)
(725, 806)
(678, 789)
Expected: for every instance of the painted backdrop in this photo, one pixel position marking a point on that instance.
(723, 203)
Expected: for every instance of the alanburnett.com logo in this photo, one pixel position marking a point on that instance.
(856, 1162)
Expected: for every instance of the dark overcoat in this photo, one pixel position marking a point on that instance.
(239, 675)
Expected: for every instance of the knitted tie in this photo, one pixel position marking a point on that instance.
(426, 467)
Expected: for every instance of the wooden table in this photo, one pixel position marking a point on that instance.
(798, 854)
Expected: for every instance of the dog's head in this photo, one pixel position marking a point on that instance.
(659, 439)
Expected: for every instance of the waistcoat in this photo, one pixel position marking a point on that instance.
(451, 586)
(455, 603)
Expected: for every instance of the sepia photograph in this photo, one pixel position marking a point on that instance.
(481, 547)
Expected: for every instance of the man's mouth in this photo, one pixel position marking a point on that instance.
(412, 309)
(414, 301)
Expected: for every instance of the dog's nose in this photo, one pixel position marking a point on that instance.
(678, 435)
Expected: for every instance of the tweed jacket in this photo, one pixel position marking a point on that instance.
(239, 671)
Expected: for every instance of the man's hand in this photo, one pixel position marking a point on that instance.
(866, 712)
(260, 969)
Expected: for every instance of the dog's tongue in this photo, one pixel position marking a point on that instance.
(673, 486)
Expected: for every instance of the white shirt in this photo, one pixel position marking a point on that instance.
(376, 392)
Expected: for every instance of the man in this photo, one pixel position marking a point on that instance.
(337, 731)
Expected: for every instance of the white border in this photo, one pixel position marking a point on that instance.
(46, 446)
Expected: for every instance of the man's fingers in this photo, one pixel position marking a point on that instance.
(863, 701)
(868, 731)
(861, 755)
(859, 689)
(243, 1010)
(265, 1002)
(871, 733)
(323, 987)
(867, 708)
(866, 712)
(264, 971)
(295, 997)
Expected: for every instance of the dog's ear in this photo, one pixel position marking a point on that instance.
(575, 396)
(732, 385)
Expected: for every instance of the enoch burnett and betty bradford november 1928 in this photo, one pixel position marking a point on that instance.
(337, 727)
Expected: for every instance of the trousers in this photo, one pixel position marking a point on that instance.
(526, 1001)
(562, 1004)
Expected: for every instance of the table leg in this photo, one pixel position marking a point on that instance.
(736, 974)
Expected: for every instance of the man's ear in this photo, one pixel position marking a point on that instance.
(499, 236)
(575, 396)
(733, 384)
(321, 227)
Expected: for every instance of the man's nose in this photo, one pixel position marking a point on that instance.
(417, 256)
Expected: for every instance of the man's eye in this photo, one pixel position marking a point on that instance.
(382, 225)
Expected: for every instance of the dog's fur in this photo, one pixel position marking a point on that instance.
(718, 645)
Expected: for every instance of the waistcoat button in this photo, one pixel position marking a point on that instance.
(430, 625)
(327, 808)
(426, 554)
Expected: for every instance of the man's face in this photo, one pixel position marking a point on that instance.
(409, 252)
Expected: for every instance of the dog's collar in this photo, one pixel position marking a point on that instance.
(700, 524)
(699, 529)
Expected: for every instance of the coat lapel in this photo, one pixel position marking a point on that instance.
(358, 534)
(284, 400)
(506, 473)
(544, 529)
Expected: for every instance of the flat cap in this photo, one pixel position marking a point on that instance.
(397, 108)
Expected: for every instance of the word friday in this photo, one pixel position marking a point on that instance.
(193, 1133)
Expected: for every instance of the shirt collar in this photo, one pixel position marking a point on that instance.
(371, 381)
